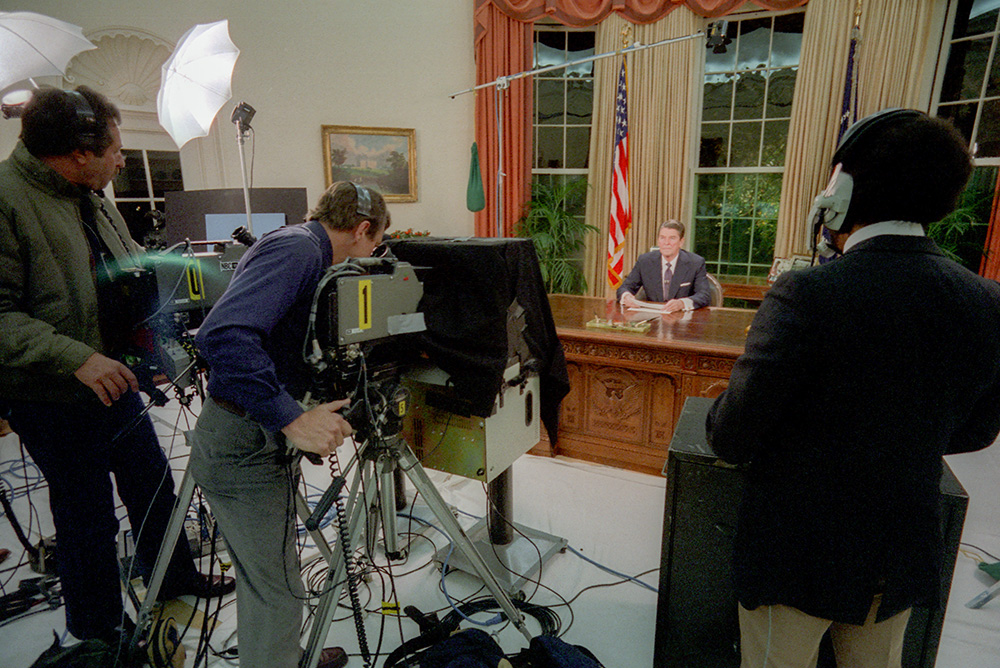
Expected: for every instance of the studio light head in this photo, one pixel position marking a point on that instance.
(717, 39)
(242, 115)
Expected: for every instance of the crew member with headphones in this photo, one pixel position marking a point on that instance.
(858, 375)
(253, 341)
(75, 408)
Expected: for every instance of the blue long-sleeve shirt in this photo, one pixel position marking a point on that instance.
(253, 337)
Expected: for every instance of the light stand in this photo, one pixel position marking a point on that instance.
(242, 115)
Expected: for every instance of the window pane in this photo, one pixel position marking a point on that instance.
(577, 147)
(549, 102)
(963, 116)
(745, 150)
(707, 238)
(763, 241)
(768, 195)
(780, 90)
(749, 100)
(579, 101)
(710, 192)
(714, 144)
(549, 147)
(580, 45)
(988, 135)
(787, 41)
(963, 76)
(131, 180)
(165, 171)
(739, 240)
(550, 49)
(975, 17)
(993, 80)
(717, 100)
(755, 44)
(741, 198)
(723, 60)
(775, 140)
(135, 217)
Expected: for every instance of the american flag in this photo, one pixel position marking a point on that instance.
(621, 209)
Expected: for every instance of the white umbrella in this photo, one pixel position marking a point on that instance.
(33, 45)
(196, 81)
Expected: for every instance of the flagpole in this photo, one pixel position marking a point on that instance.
(503, 83)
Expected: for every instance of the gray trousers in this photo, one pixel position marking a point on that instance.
(251, 494)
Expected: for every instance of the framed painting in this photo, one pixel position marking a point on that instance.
(381, 158)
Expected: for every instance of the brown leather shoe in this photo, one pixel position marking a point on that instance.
(202, 587)
(332, 657)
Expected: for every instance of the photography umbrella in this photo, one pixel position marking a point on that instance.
(196, 81)
(34, 45)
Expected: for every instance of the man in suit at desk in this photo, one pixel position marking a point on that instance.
(669, 274)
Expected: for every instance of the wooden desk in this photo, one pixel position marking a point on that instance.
(627, 388)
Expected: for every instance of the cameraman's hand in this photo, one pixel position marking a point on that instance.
(320, 429)
(107, 378)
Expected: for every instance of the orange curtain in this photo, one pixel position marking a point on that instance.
(990, 265)
(503, 46)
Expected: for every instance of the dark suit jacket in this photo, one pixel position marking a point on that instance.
(689, 279)
(858, 376)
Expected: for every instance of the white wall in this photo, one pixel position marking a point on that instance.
(307, 63)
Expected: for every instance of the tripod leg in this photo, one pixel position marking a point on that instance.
(361, 497)
(303, 510)
(412, 468)
(387, 469)
(173, 532)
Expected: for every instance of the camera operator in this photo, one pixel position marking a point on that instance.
(253, 340)
(76, 408)
(858, 376)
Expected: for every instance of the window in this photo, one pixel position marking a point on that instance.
(564, 102)
(969, 96)
(970, 89)
(746, 108)
(140, 187)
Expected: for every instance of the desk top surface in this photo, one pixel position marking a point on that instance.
(713, 330)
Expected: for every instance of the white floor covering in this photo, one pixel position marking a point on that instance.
(608, 515)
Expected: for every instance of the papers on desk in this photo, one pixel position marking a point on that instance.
(640, 306)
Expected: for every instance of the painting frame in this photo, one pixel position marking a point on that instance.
(371, 156)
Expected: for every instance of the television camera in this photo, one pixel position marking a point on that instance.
(160, 301)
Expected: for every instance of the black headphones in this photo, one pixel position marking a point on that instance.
(830, 207)
(85, 124)
(364, 200)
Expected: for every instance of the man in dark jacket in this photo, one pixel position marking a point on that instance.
(858, 376)
(74, 406)
(668, 274)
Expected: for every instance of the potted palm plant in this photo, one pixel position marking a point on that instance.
(553, 220)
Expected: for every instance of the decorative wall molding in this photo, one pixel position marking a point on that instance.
(125, 67)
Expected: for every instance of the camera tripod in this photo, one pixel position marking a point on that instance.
(383, 458)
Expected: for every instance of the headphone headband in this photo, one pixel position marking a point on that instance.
(870, 125)
(86, 120)
(364, 200)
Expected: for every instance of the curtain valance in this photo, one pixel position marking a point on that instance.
(590, 12)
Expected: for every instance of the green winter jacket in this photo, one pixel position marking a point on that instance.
(48, 299)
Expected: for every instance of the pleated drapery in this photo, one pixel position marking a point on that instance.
(661, 85)
(895, 51)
